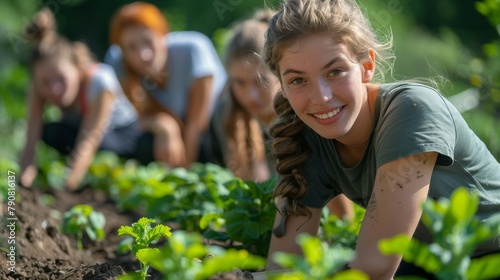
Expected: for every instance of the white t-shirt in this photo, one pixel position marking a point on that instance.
(103, 78)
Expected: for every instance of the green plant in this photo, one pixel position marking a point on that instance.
(195, 192)
(52, 171)
(144, 234)
(456, 232)
(246, 217)
(136, 187)
(319, 261)
(339, 231)
(83, 218)
(181, 258)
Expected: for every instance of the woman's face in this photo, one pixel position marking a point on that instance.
(326, 86)
(57, 80)
(253, 85)
(143, 49)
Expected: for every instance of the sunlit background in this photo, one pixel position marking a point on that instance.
(455, 43)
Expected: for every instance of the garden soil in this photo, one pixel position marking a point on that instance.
(43, 252)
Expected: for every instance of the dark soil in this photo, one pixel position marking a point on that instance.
(43, 252)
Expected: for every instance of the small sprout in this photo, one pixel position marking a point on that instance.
(82, 218)
(144, 234)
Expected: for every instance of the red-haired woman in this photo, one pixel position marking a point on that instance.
(172, 78)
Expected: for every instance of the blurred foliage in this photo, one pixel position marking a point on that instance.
(456, 232)
(454, 43)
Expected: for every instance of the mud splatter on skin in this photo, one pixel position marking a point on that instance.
(371, 209)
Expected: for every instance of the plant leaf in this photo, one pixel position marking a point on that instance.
(230, 260)
(486, 267)
(147, 255)
(97, 219)
(351, 275)
(313, 249)
(157, 232)
(124, 230)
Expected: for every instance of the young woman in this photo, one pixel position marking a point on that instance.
(245, 110)
(387, 147)
(96, 113)
(240, 123)
(172, 78)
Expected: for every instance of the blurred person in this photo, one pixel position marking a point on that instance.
(171, 78)
(96, 114)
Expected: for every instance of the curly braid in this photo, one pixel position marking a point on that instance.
(291, 154)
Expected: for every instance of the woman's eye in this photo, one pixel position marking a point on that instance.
(297, 81)
(335, 72)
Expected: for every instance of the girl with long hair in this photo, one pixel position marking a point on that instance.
(386, 146)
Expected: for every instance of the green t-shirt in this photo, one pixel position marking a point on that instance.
(409, 119)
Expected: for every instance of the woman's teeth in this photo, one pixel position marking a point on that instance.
(328, 115)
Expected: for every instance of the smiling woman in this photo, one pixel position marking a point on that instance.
(387, 147)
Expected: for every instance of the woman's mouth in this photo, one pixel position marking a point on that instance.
(328, 115)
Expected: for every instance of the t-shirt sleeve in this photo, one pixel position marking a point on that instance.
(103, 79)
(203, 57)
(320, 187)
(416, 120)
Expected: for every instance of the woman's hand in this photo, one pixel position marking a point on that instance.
(28, 176)
(168, 143)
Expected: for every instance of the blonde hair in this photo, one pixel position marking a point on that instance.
(243, 131)
(345, 23)
(49, 44)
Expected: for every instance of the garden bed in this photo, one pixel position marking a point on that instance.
(43, 252)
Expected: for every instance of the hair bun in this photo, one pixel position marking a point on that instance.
(42, 26)
(263, 15)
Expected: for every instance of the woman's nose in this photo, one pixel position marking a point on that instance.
(57, 88)
(146, 54)
(322, 93)
(254, 93)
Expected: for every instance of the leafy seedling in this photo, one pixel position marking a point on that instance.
(185, 257)
(319, 261)
(144, 234)
(83, 218)
(457, 232)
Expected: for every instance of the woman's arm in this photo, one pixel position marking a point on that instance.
(341, 206)
(168, 146)
(293, 227)
(401, 186)
(33, 131)
(89, 137)
(197, 116)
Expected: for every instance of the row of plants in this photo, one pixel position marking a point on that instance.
(208, 202)
(452, 222)
(205, 202)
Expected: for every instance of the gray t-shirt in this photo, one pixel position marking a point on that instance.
(191, 55)
(409, 119)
